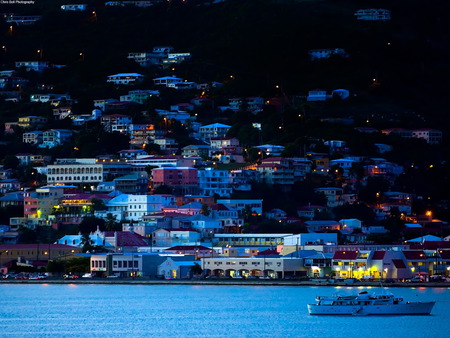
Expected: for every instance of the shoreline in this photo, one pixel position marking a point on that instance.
(224, 283)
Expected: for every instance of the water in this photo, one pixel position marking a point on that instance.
(44, 310)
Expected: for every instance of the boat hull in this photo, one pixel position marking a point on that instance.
(411, 308)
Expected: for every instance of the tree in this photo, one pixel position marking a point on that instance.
(205, 210)
(87, 243)
(196, 269)
(111, 223)
(10, 162)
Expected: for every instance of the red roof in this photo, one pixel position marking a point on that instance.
(378, 255)
(399, 264)
(126, 238)
(414, 255)
(345, 255)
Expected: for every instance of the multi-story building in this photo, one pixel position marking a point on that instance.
(33, 137)
(213, 131)
(132, 184)
(333, 196)
(163, 161)
(241, 204)
(142, 205)
(125, 78)
(55, 137)
(75, 171)
(196, 150)
(116, 122)
(31, 122)
(183, 180)
(432, 136)
(141, 134)
(139, 96)
(37, 66)
(211, 182)
(167, 145)
(276, 170)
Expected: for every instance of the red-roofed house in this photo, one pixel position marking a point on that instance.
(125, 241)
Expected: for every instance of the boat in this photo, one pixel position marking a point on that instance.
(364, 304)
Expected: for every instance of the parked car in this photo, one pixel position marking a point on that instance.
(389, 280)
(416, 279)
(87, 275)
(70, 276)
(439, 278)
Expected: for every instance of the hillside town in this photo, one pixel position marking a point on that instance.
(155, 172)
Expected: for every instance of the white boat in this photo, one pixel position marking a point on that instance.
(364, 304)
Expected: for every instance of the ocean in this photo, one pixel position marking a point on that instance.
(99, 310)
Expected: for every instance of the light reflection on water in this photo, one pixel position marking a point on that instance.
(43, 310)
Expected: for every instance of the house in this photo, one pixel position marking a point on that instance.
(75, 171)
(74, 7)
(132, 153)
(333, 196)
(240, 205)
(205, 225)
(167, 145)
(402, 132)
(309, 211)
(12, 198)
(50, 98)
(270, 149)
(141, 134)
(174, 237)
(167, 80)
(326, 53)
(196, 150)
(116, 122)
(132, 184)
(211, 182)
(431, 136)
(213, 131)
(183, 85)
(125, 78)
(276, 214)
(32, 122)
(55, 137)
(171, 269)
(183, 180)
(9, 184)
(138, 263)
(373, 14)
(317, 95)
(322, 225)
(349, 225)
(276, 170)
(33, 137)
(139, 96)
(37, 66)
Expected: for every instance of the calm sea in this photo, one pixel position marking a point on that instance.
(48, 310)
